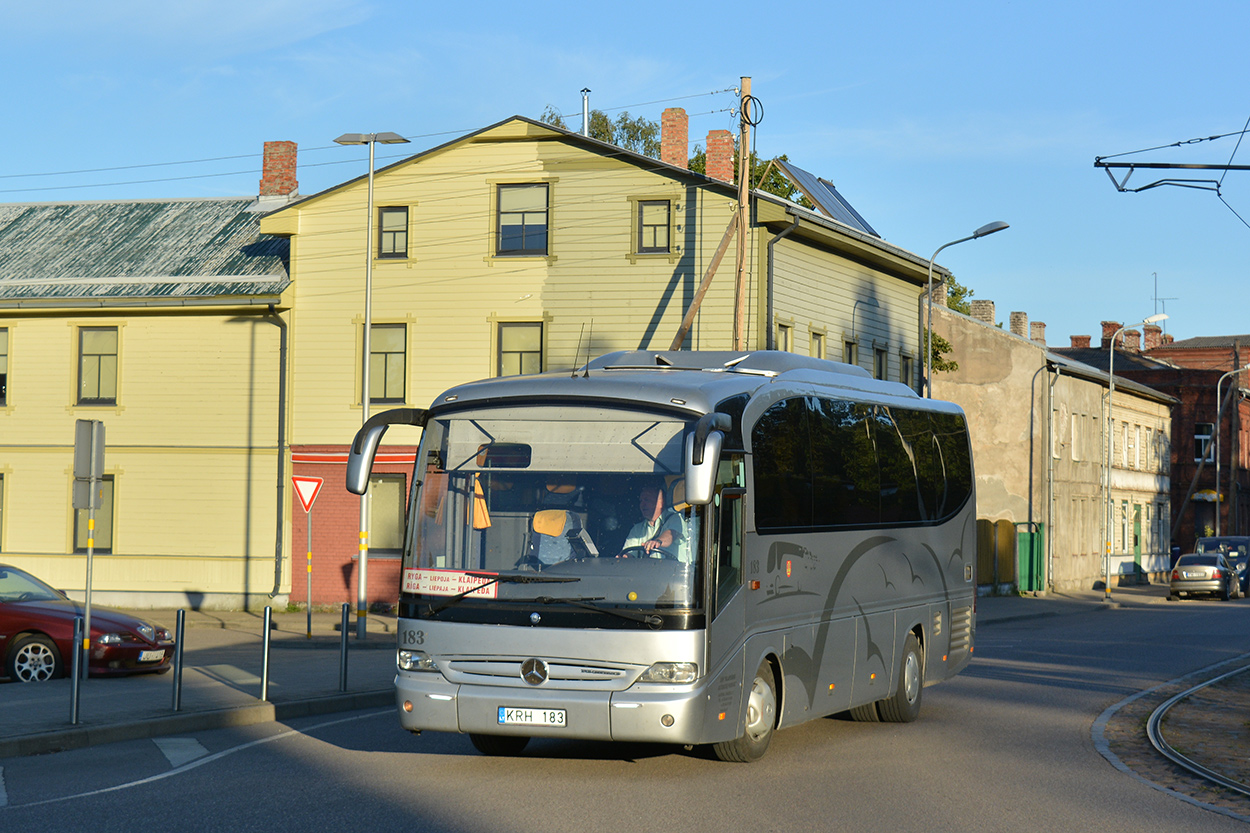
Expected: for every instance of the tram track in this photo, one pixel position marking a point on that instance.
(1154, 731)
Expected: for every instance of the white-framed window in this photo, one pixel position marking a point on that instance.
(522, 219)
(97, 366)
(4, 366)
(880, 363)
(388, 362)
(393, 231)
(817, 344)
(785, 337)
(520, 348)
(850, 354)
(654, 224)
(1204, 449)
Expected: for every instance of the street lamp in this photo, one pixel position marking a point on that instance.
(988, 228)
(370, 139)
(1219, 420)
(1154, 319)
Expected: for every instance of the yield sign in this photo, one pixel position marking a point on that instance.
(306, 489)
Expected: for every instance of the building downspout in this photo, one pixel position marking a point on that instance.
(281, 514)
(770, 337)
(1050, 477)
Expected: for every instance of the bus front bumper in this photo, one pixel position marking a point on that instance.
(652, 714)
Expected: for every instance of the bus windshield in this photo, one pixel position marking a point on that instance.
(583, 512)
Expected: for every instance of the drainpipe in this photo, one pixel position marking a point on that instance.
(1050, 477)
(281, 520)
(770, 337)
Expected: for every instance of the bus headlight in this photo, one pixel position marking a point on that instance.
(670, 672)
(414, 661)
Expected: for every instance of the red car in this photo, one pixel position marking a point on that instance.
(37, 634)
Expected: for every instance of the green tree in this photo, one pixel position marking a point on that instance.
(773, 182)
(958, 298)
(637, 134)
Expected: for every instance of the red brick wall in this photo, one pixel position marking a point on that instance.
(336, 530)
(675, 137)
(720, 153)
(278, 174)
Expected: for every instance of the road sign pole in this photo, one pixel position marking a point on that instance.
(306, 490)
(308, 515)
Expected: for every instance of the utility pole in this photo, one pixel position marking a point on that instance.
(744, 184)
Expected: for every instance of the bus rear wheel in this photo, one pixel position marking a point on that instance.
(761, 719)
(499, 745)
(904, 706)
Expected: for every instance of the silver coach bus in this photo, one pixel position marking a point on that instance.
(679, 547)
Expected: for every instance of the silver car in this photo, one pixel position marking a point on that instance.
(1205, 573)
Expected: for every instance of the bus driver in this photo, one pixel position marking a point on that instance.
(661, 528)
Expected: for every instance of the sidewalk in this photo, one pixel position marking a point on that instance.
(992, 609)
(221, 684)
(222, 662)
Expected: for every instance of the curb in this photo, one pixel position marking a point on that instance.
(80, 737)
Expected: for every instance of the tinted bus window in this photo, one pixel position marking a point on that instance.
(900, 500)
(782, 467)
(847, 484)
(952, 438)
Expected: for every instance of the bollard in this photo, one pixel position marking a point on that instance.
(180, 629)
(343, 650)
(75, 661)
(264, 664)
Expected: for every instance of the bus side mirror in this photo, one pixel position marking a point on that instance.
(703, 457)
(365, 444)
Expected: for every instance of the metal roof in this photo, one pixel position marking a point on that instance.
(138, 249)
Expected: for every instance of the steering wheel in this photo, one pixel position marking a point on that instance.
(667, 554)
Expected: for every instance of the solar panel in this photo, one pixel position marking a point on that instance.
(825, 197)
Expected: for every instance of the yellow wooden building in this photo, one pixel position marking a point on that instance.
(517, 248)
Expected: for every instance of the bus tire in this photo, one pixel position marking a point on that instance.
(758, 725)
(904, 706)
(865, 714)
(499, 745)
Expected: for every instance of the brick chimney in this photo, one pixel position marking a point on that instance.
(1131, 341)
(1037, 331)
(1019, 323)
(1080, 342)
(1108, 330)
(939, 295)
(675, 137)
(278, 176)
(1152, 336)
(1167, 339)
(720, 155)
(983, 311)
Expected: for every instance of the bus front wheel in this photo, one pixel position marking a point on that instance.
(499, 745)
(761, 718)
(904, 706)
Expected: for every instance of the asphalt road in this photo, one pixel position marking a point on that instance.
(1005, 747)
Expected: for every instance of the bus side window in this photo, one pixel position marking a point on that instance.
(728, 546)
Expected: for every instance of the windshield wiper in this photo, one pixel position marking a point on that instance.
(496, 579)
(649, 619)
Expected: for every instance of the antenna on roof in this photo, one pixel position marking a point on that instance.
(589, 340)
(579, 350)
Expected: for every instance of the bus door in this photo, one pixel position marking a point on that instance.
(726, 607)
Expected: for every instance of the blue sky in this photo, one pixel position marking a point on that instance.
(931, 118)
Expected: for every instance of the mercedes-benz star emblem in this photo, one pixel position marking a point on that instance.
(534, 671)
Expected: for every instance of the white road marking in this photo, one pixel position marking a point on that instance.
(179, 751)
(4, 797)
(201, 761)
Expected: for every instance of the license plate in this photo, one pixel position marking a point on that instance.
(512, 716)
(151, 656)
(1189, 574)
